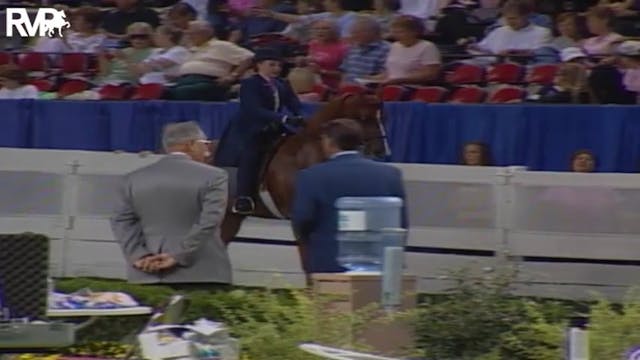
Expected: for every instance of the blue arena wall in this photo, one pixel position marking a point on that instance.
(541, 137)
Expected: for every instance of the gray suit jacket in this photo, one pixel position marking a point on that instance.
(174, 206)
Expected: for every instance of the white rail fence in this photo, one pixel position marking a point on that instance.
(570, 234)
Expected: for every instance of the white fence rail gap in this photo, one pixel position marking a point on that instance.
(569, 234)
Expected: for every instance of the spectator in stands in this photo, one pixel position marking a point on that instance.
(314, 216)
(568, 32)
(411, 60)
(126, 13)
(421, 9)
(253, 25)
(326, 52)
(169, 214)
(575, 55)
(84, 36)
(164, 62)
(476, 153)
(306, 7)
(241, 7)
(600, 24)
(213, 66)
(518, 37)
(622, 7)
(117, 67)
(583, 161)
(385, 11)
(303, 82)
(199, 6)
(180, 15)
(14, 84)
(224, 25)
(532, 16)
(334, 10)
(629, 54)
(570, 86)
(367, 53)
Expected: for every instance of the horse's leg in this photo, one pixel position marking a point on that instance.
(230, 227)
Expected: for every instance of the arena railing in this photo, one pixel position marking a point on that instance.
(566, 234)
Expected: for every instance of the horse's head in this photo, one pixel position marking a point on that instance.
(366, 109)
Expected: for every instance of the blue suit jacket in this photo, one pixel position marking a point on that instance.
(257, 110)
(314, 216)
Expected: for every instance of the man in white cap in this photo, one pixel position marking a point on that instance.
(573, 55)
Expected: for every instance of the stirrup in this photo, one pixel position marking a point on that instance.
(251, 205)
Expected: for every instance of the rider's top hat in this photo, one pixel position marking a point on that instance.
(264, 54)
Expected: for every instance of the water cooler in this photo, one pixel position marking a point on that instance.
(371, 244)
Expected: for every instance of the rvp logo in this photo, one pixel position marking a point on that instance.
(47, 21)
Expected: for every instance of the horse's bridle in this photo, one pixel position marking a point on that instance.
(382, 137)
(383, 133)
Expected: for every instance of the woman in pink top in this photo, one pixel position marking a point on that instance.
(326, 52)
(411, 60)
(599, 23)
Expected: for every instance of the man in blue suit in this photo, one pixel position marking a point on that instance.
(346, 173)
(268, 108)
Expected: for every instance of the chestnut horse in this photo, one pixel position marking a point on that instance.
(301, 150)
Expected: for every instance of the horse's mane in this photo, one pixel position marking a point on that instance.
(330, 111)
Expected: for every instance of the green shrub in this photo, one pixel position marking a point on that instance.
(614, 329)
(270, 324)
(480, 319)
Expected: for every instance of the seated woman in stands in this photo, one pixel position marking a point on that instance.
(117, 66)
(13, 84)
(600, 24)
(326, 52)
(411, 60)
(571, 86)
(164, 62)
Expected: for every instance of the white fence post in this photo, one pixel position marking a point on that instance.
(69, 212)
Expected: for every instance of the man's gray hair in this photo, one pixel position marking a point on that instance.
(369, 22)
(181, 133)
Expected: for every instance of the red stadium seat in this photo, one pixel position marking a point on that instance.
(322, 90)
(468, 95)
(148, 92)
(115, 92)
(430, 94)
(74, 63)
(394, 93)
(507, 94)
(5, 58)
(32, 62)
(506, 73)
(42, 84)
(466, 74)
(348, 89)
(70, 87)
(542, 74)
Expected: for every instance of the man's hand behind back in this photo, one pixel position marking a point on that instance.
(155, 263)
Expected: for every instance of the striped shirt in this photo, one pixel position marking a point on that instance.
(365, 60)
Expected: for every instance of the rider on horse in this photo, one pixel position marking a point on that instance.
(260, 121)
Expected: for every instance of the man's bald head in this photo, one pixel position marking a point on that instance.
(199, 32)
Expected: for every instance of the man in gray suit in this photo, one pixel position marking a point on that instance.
(170, 212)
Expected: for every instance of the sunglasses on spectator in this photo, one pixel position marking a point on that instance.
(139, 36)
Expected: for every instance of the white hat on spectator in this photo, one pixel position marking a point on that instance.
(629, 48)
(571, 53)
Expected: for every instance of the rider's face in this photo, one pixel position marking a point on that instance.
(269, 68)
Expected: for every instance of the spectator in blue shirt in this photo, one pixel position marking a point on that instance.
(368, 52)
(253, 25)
